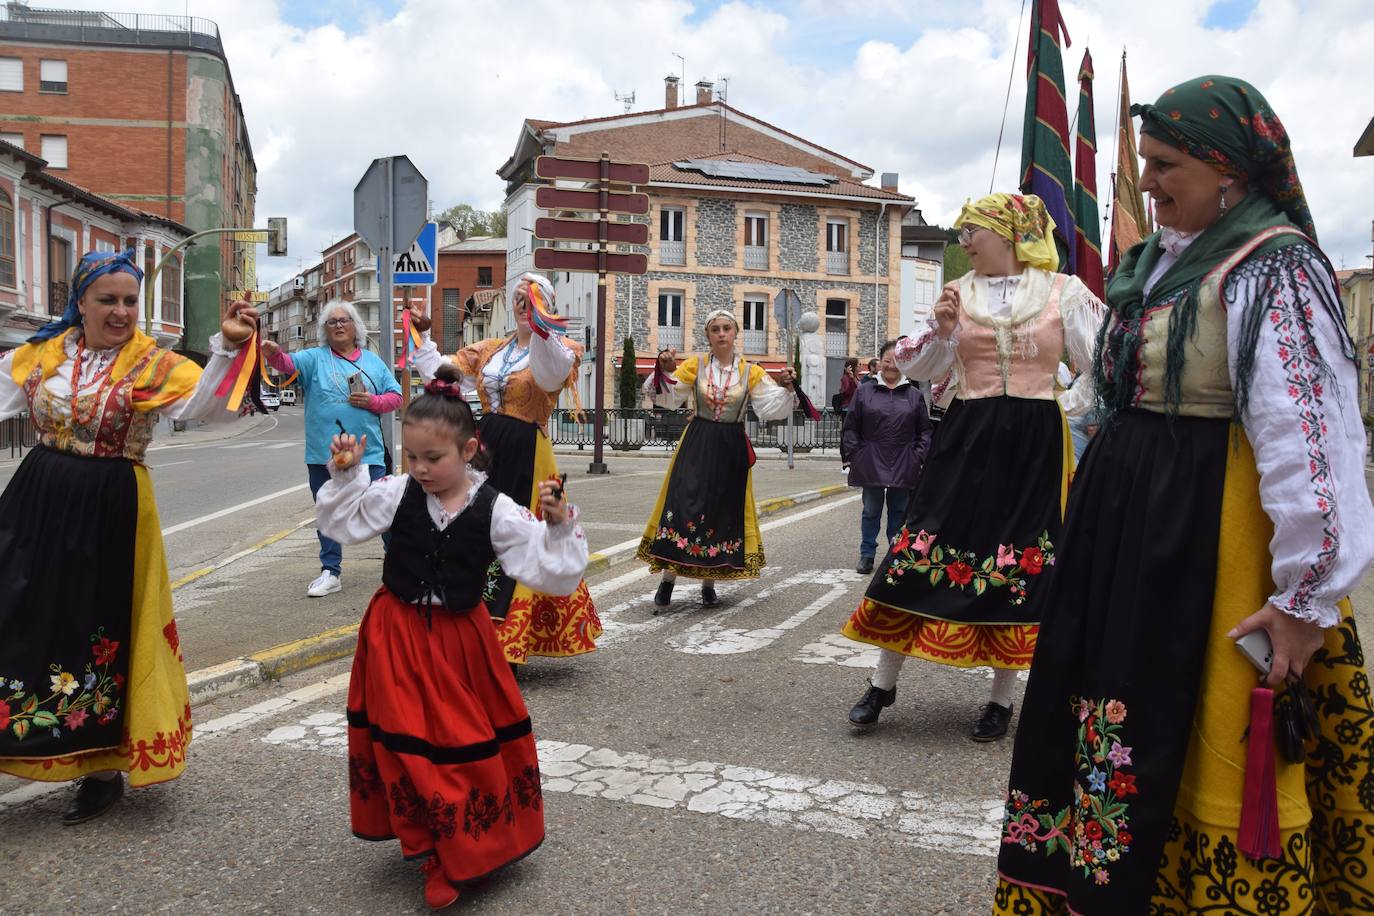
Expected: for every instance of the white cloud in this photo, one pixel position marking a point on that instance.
(449, 84)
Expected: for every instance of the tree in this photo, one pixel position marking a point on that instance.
(629, 379)
(956, 261)
(470, 221)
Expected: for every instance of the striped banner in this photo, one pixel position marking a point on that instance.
(1087, 237)
(1045, 168)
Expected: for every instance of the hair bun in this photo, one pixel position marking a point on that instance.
(444, 389)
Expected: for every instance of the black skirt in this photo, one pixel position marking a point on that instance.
(983, 523)
(67, 528)
(1123, 635)
(510, 445)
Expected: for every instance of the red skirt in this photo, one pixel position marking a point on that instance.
(440, 752)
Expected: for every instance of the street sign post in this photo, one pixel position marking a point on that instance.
(390, 206)
(601, 200)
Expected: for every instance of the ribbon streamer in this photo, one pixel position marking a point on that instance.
(245, 366)
(412, 338)
(543, 321)
(1258, 836)
(804, 402)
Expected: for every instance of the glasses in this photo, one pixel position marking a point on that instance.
(966, 234)
(338, 322)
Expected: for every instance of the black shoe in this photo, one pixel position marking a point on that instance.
(865, 566)
(708, 594)
(93, 798)
(865, 712)
(992, 722)
(664, 596)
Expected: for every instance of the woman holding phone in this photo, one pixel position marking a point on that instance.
(347, 387)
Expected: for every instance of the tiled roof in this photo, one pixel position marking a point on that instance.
(667, 173)
(478, 243)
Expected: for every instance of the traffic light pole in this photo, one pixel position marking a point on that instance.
(149, 281)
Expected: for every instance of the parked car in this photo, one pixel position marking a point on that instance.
(270, 399)
(288, 396)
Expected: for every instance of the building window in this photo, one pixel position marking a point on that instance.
(670, 320)
(756, 241)
(452, 321)
(171, 291)
(836, 328)
(11, 74)
(484, 276)
(755, 332)
(672, 245)
(104, 245)
(837, 246)
(7, 273)
(52, 76)
(60, 267)
(53, 148)
(13, 139)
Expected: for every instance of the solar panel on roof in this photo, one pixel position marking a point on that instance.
(754, 171)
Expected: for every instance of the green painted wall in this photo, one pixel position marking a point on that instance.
(207, 206)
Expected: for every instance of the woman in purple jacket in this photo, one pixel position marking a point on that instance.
(886, 435)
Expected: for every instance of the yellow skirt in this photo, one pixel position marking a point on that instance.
(547, 625)
(157, 711)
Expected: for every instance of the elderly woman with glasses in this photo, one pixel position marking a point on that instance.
(982, 525)
(347, 387)
(1221, 506)
(91, 677)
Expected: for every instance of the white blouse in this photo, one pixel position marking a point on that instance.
(770, 400)
(201, 404)
(548, 359)
(351, 508)
(930, 357)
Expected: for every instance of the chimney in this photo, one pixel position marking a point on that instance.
(704, 88)
(670, 91)
(889, 181)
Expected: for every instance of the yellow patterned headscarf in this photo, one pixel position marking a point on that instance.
(1020, 219)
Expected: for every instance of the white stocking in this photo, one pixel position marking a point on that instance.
(889, 666)
(1003, 683)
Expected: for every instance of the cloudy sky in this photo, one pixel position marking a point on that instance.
(910, 86)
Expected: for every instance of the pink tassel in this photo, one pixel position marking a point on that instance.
(1259, 813)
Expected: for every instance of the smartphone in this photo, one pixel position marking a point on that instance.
(355, 384)
(1257, 649)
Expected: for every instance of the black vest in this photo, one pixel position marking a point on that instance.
(446, 567)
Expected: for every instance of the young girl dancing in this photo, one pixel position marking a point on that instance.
(440, 752)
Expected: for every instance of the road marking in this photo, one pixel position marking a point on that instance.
(601, 589)
(170, 464)
(835, 649)
(789, 519)
(943, 823)
(266, 542)
(232, 509)
(711, 638)
(292, 444)
(212, 443)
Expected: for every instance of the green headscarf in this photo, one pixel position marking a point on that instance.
(1227, 124)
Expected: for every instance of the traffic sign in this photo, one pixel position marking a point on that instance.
(418, 265)
(586, 230)
(247, 295)
(563, 199)
(251, 236)
(590, 170)
(403, 202)
(565, 259)
(787, 308)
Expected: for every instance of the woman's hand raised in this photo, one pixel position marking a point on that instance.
(947, 311)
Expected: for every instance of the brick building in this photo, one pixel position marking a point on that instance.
(469, 301)
(141, 109)
(739, 210)
(46, 223)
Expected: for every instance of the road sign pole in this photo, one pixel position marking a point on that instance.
(386, 310)
(598, 465)
(791, 430)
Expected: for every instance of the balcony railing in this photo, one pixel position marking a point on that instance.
(57, 297)
(670, 336)
(836, 344)
(672, 252)
(837, 262)
(756, 257)
(755, 341)
(151, 29)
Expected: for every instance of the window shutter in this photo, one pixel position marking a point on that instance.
(11, 74)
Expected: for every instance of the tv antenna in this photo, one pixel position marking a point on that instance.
(683, 61)
(627, 99)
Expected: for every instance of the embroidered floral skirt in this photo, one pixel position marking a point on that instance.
(980, 537)
(704, 524)
(440, 752)
(530, 622)
(1128, 772)
(91, 676)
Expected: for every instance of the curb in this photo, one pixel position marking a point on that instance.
(331, 645)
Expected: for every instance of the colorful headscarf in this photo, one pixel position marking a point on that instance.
(92, 266)
(1228, 124)
(1020, 219)
(721, 313)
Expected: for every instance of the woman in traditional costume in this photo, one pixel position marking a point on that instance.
(983, 522)
(704, 524)
(518, 381)
(1223, 495)
(440, 752)
(91, 676)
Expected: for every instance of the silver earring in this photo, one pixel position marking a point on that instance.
(1221, 208)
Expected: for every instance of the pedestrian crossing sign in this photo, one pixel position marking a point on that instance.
(416, 266)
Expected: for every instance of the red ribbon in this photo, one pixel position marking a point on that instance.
(1259, 813)
(444, 389)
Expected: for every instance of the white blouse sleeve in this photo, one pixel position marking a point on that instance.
(927, 358)
(12, 399)
(1082, 314)
(351, 507)
(1302, 419)
(550, 362)
(550, 559)
(673, 397)
(771, 401)
(202, 403)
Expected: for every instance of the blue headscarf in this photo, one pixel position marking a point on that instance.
(93, 265)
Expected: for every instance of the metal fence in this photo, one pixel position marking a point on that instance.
(16, 434)
(155, 30)
(628, 429)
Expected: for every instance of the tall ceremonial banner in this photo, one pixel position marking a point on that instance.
(1087, 237)
(1045, 169)
(1130, 220)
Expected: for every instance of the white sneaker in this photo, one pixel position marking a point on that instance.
(326, 584)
